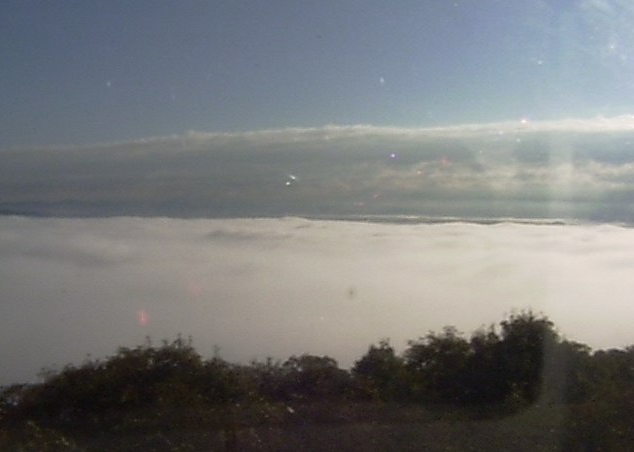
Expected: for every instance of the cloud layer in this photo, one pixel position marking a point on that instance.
(276, 287)
(573, 168)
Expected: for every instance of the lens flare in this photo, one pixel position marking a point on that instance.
(142, 317)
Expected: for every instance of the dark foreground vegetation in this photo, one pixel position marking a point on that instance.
(518, 386)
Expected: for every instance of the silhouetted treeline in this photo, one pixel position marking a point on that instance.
(521, 362)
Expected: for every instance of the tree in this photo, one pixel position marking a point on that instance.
(381, 373)
(482, 378)
(309, 377)
(437, 363)
(525, 342)
(142, 381)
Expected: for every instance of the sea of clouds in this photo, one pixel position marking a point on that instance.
(253, 288)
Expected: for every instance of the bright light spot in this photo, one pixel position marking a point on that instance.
(381, 80)
(392, 155)
(108, 84)
(142, 317)
(290, 180)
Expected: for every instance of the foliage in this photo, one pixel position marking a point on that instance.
(154, 390)
(525, 342)
(31, 437)
(490, 368)
(381, 374)
(438, 363)
(310, 377)
(144, 379)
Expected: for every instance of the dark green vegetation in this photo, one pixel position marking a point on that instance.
(517, 386)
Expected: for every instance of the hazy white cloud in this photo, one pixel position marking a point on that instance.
(332, 131)
(278, 287)
(470, 170)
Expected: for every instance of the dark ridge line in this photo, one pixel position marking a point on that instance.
(407, 219)
(371, 218)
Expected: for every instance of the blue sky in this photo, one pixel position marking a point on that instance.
(80, 72)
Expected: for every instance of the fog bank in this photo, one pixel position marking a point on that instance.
(276, 287)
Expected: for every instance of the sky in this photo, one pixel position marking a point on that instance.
(195, 167)
(78, 72)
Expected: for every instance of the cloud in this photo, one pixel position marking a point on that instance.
(277, 287)
(469, 170)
